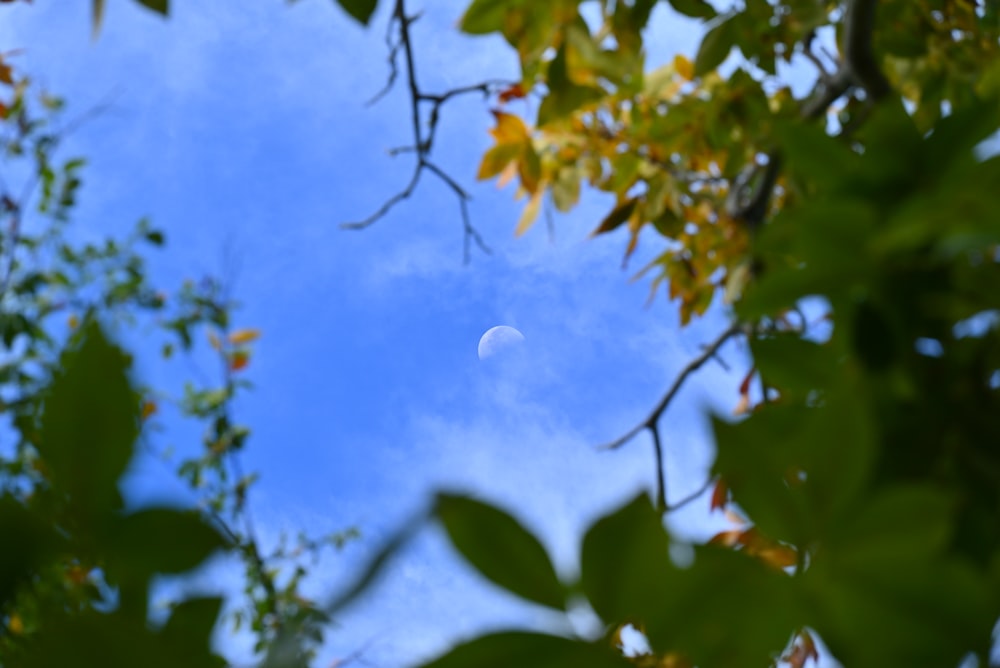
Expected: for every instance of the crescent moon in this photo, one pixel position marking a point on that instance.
(498, 339)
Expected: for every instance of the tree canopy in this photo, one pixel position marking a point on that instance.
(850, 234)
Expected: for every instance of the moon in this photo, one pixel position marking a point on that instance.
(499, 339)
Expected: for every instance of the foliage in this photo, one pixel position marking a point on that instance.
(79, 581)
(864, 482)
(866, 479)
(863, 478)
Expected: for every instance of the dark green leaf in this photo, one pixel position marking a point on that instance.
(874, 342)
(190, 626)
(793, 365)
(515, 648)
(89, 422)
(501, 549)
(155, 237)
(34, 542)
(715, 47)
(618, 215)
(161, 7)
(698, 9)
(807, 151)
(625, 561)
(161, 540)
(360, 10)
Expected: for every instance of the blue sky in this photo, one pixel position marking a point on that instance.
(241, 130)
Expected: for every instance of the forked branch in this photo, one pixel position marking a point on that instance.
(400, 41)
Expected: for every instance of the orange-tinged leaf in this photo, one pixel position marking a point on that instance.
(684, 67)
(514, 92)
(803, 650)
(742, 406)
(727, 538)
(6, 73)
(510, 129)
(148, 409)
(243, 336)
(214, 341)
(720, 495)
(239, 360)
(73, 321)
(745, 385)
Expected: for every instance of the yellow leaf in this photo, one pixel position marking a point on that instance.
(510, 129)
(529, 168)
(73, 322)
(15, 624)
(508, 173)
(684, 67)
(148, 409)
(242, 336)
(496, 159)
(529, 214)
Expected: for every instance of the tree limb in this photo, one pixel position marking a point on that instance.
(423, 140)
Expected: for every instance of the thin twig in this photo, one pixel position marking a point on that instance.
(690, 497)
(399, 40)
(695, 364)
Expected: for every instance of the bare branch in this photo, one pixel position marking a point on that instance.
(695, 364)
(690, 497)
(389, 203)
(661, 484)
(399, 40)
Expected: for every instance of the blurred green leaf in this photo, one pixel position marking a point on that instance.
(698, 9)
(190, 627)
(89, 422)
(485, 16)
(161, 540)
(715, 47)
(161, 7)
(360, 10)
(631, 544)
(514, 648)
(501, 549)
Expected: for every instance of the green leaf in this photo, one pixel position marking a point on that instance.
(485, 16)
(89, 422)
(34, 541)
(617, 217)
(625, 561)
(807, 151)
(715, 47)
(161, 7)
(191, 623)
(793, 365)
(516, 648)
(161, 540)
(564, 96)
(902, 523)
(155, 237)
(501, 549)
(698, 9)
(360, 10)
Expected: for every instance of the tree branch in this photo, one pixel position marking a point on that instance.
(695, 364)
(423, 140)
